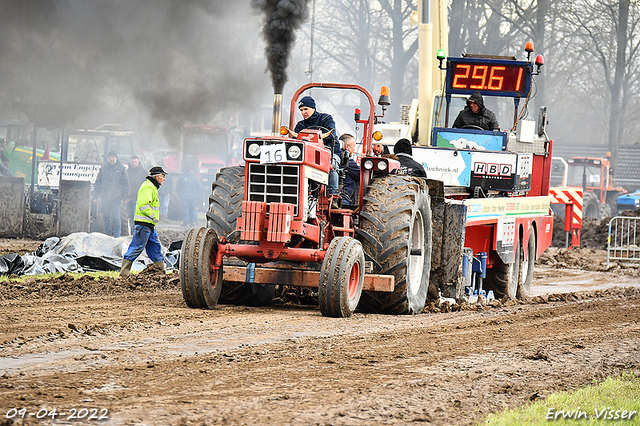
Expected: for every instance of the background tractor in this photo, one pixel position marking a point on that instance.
(595, 176)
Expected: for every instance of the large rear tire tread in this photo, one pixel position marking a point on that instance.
(605, 211)
(591, 205)
(343, 262)
(390, 206)
(225, 202)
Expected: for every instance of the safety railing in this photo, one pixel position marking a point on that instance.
(623, 242)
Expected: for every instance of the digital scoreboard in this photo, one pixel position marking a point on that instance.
(493, 77)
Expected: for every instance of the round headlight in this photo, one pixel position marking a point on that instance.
(368, 164)
(254, 149)
(382, 165)
(294, 152)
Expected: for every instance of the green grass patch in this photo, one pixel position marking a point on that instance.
(613, 401)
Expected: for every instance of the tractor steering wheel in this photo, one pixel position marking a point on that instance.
(321, 128)
(472, 126)
(325, 130)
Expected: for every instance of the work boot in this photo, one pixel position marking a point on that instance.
(159, 265)
(335, 203)
(125, 270)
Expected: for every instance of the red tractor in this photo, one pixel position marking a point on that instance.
(270, 222)
(595, 176)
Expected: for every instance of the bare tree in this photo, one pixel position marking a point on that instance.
(344, 44)
(370, 43)
(402, 47)
(608, 36)
(477, 27)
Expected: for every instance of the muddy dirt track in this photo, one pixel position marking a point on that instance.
(131, 350)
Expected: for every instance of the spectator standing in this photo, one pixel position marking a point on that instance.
(136, 175)
(190, 190)
(146, 218)
(408, 166)
(112, 188)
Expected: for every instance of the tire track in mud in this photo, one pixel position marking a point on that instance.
(281, 365)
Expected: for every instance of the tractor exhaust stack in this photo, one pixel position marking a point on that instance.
(277, 114)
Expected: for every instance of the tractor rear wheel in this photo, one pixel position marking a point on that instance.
(200, 284)
(526, 263)
(590, 205)
(395, 231)
(341, 278)
(225, 202)
(604, 211)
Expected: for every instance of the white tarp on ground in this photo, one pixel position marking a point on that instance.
(79, 252)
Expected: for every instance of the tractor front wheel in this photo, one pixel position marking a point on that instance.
(590, 205)
(341, 278)
(201, 285)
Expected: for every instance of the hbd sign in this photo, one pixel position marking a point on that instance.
(494, 170)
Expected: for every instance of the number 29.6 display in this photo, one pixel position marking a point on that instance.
(489, 77)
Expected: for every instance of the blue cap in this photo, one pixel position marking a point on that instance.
(308, 102)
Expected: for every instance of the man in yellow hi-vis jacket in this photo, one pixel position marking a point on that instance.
(145, 219)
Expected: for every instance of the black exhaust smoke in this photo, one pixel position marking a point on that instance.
(282, 18)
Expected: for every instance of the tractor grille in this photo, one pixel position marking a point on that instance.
(274, 183)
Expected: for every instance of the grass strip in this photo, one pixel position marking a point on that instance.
(613, 401)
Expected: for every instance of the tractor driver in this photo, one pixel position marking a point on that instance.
(324, 122)
(475, 114)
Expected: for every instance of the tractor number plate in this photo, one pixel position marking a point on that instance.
(273, 153)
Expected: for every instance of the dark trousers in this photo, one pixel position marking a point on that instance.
(189, 214)
(111, 217)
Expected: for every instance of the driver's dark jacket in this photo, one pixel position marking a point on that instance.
(317, 120)
(485, 118)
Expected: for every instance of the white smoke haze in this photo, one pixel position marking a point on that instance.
(144, 63)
